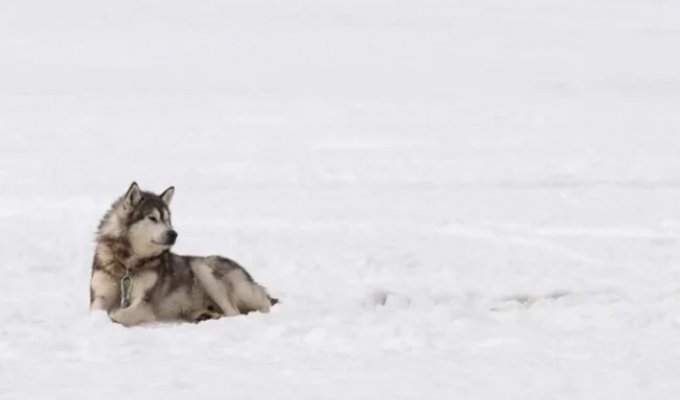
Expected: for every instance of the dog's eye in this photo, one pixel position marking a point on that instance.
(153, 219)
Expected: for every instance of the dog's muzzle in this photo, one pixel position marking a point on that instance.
(171, 237)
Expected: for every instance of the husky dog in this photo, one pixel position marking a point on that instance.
(137, 280)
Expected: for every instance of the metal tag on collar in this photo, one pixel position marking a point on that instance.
(125, 288)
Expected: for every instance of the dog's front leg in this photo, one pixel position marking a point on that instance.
(103, 292)
(138, 313)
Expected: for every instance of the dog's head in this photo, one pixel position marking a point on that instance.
(142, 220)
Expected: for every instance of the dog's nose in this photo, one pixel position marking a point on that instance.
(172, 237)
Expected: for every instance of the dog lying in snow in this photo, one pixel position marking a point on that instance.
(136, 279)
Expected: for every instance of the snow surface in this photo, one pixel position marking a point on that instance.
(452, 199)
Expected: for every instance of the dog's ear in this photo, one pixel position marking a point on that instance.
(167, 195)
(132, 197)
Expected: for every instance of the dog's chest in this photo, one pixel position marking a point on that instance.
(142, 284)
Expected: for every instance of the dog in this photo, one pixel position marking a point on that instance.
(137, 280)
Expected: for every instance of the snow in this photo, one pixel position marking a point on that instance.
(452, 199)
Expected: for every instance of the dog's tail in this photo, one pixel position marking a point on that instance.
(273, 301)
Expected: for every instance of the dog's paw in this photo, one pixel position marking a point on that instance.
(208, 315)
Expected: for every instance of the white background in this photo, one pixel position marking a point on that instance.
(452, 199)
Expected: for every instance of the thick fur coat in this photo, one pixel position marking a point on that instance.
(136, 279)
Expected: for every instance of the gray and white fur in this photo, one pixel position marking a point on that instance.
(134, 238)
